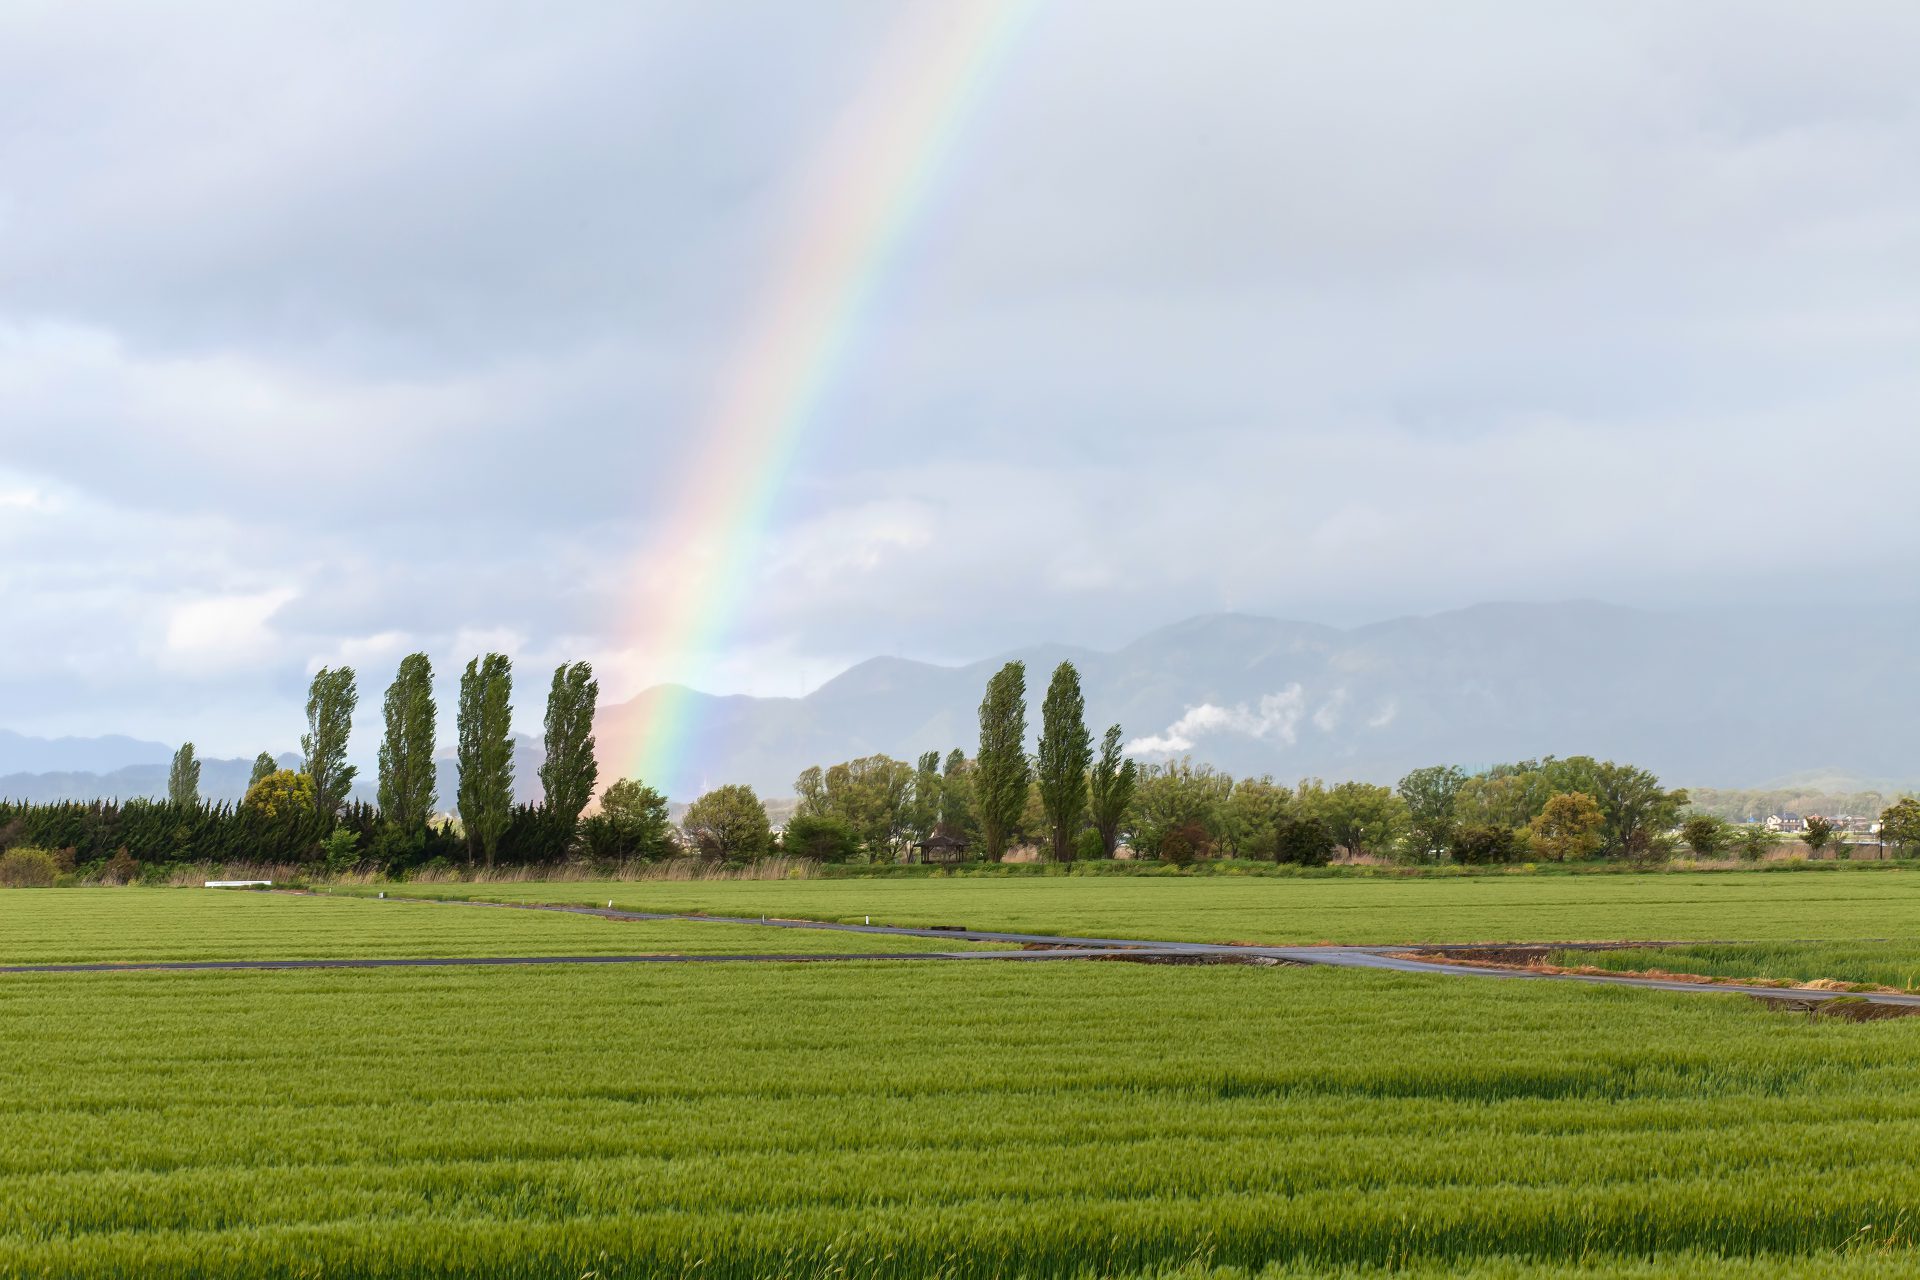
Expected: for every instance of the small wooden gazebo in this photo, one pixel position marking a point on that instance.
(942, 846)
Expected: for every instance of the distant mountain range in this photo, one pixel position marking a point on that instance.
(1704, 700)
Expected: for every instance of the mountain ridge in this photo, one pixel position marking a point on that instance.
(1708, 700)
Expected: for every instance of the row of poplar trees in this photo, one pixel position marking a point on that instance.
(1077, 790)
(408, 773)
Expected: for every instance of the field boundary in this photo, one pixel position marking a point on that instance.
(1430, 959)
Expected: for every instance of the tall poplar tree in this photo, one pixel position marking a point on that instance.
(1066, 750)
(1000, 770)
(183, 779)
(407, 772)
(485, 752)
(570, 771)
(331, 699)
(1114, 778)
(264, 766)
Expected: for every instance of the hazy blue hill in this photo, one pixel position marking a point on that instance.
(1723, 700)
(1729, 700)
(22, 754)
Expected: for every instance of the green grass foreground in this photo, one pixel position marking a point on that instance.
(1893, 963)
(870, 1120)
(1755, 906)
(60, 926)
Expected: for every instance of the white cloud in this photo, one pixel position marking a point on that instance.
(1608, 295)
(1275, 719)
(217, 632)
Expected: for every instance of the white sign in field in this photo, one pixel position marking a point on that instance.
(239, 884)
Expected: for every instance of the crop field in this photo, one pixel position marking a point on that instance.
(957, 1120)
(1718, 906)
(1884, 964)
(57, 926)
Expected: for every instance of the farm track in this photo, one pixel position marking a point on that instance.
(1034, 947)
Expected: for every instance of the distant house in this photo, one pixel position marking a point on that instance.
(1786, 822)
(941, 847)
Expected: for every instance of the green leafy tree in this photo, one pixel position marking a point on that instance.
(331, 699)
(1705, 834)
(1110, 790)
(729, 823)
(1505, 799)
(1250, 820)
(822, 837)
(570, 770)
(263, 766)
(407, 770)
(1363, 817)
(1567, 829)
(958, 817)
(1900, 825)
(1065, 755)
(280, 793)
(1000, 771)
(1818, 834)
(811, 788)
(873, 796)
(183, 779)
(632, 823)
(1754, 840)
(1484, 843)
(1636, 806)
(923, 812)
(484, 752)
(1177, 794)
(1430, 795)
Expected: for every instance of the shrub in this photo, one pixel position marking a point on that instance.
(1753, 840)
(25, 868)
(1184, 843)
(1484, 844)
(1303, 842)
(120, 868)
(1705, 834)
(822, 838)
(340, 850)
(1088, 846)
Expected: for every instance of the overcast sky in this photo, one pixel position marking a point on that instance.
(333, 331)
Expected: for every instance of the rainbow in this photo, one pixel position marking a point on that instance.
(871, 183)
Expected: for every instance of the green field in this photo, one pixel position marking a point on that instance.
(57, 926)
(1883, 964)
(1715, 906)
(862, 1119)
(883, 1120)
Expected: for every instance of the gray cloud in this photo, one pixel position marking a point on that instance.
(322, 336)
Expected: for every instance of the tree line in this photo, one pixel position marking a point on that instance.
(1071, 798)
(1073, 801)
(304, 815)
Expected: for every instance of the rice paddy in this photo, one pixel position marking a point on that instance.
(1879, 964)
(906, 1121)
(877, 1120)
(1732, 906)
(59, 926)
